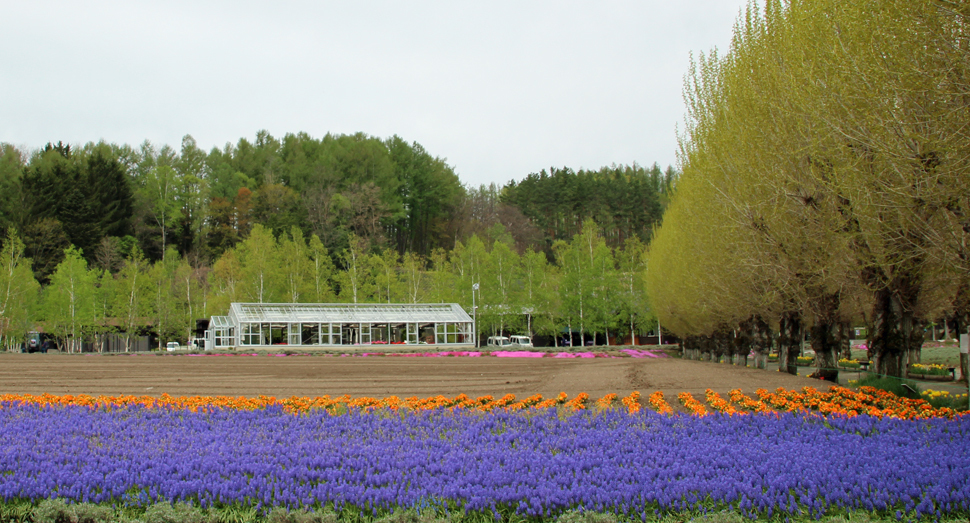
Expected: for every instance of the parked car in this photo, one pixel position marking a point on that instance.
(172, 346)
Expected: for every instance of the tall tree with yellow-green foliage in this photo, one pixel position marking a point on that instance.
(815, 157)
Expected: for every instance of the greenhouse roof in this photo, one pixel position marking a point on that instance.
(348, 312)
(220, 322)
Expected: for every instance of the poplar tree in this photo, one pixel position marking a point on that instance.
(825, 146)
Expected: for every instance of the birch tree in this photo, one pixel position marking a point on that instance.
(355, 279)
(69, 300)
(294, 263)
(18, 292)
(132, 295)
(322, 270)
(413, 272)
(259, 266)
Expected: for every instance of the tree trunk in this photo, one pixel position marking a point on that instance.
(964, 367)
(690, 348)
(845, 340)
(743, 340)
(961, 319)
(724, 344)
(826, 343)
(897, 333)
(760, 339)
(827, 337)
(789, 342)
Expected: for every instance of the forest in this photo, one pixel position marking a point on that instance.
(825, 185)
(103, 238)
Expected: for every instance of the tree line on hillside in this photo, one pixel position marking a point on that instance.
(625, 201)
(106, 199)
(591, 289)
(825, 184)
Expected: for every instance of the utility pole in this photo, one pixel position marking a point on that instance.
(474, 315)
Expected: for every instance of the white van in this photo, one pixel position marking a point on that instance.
(172, 346)
(513, 342)
(498, 341)
(521, 341)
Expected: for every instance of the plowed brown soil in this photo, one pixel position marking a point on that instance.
(373, 376)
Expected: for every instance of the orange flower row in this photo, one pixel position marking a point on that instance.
(299, 404)
(845, 402)
(693, 406)
(659, 404)
(719, 404)
(746, 403)
(632, 402)
(606, 401)
(838, 401)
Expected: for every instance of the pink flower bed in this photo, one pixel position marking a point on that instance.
(632, 353)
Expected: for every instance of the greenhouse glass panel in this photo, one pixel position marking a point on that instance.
(327, 324)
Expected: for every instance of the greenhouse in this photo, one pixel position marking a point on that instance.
(267, 325)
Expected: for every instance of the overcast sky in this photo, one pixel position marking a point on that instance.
(500, 89)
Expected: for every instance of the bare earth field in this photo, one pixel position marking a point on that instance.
(318, 375)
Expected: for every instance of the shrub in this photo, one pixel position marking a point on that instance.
(944, 399)
(929, 369)
(412, 516)
(900, 387)
(52, 511)
(16, 511)
(574, 516)
(849, 364)
(281, 515)
(175, 513)
(57, 511)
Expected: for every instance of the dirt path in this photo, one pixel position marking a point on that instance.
(373, 376)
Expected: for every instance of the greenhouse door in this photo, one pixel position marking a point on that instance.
(412, 333)
(365, 333)
(294, 337)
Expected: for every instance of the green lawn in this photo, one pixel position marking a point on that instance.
(944, 353)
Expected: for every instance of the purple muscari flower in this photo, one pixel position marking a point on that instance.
(534, 463)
